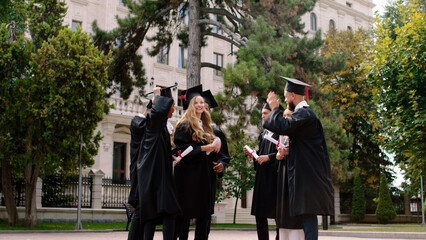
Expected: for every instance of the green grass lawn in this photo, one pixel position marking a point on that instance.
(122, 226)
(385, 229)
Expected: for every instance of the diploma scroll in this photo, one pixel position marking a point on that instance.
(251, 152)
(277, 143)
(216, 140)
(182, 155)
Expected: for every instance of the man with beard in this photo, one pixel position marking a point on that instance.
(308, 171)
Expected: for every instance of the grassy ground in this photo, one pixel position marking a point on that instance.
(122, 226)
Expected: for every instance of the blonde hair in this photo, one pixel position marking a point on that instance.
(190, 117)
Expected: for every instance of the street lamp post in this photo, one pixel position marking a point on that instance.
(421, 189)
(78, 226)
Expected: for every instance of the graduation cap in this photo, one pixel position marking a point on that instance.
(296, 86)
(209, 99)
(189, 94)
(165, 92)
(266, 105)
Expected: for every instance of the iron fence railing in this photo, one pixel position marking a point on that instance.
(60, 191)
(114, 192)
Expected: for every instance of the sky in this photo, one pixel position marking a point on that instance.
(380, 5)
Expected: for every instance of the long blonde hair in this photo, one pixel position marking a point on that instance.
(190, 116)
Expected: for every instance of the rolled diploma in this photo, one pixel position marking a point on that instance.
(251, 151)
(216, 140)
(187, 150)
(269, 138)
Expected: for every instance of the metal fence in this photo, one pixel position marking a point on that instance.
(18, 193)
(114, 192)
(60, 191)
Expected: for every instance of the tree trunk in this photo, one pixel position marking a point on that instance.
(235, 208)
(31, 174)
(194, 45)
(32, 171)
(6, 181)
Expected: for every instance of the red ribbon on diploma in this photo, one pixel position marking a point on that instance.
(179, 152)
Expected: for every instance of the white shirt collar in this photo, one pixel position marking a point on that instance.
(300, 105)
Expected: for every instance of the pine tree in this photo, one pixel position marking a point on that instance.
(358, 202)
(385, 210)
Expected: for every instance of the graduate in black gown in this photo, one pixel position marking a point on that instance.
(265, 184)
(137, 131)
(156, 188)
(193, 173)
(288, 226)
(221, 159)
(308, 170)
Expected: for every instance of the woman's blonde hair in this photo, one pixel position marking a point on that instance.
(190, 116)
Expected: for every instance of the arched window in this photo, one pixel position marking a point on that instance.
(331, 24)
(349, 28)
(313, 22)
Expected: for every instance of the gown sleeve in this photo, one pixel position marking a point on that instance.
(183, 139)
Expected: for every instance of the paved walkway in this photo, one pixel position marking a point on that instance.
(214, 235)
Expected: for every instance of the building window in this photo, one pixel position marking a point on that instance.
(183, 57)
(313, 22)
(163, 55)
(75, 24)
(348, 4)
(119, 162)
(349, 28)
(183, 14)
(122, 3)
(331, 24)
(218, 60)
(216, 29)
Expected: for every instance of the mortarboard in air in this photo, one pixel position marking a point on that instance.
(295, 86)
(266, 105)
(209, 99)
(189, 94)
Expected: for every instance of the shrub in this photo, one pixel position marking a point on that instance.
(385, 210)
(358, 202)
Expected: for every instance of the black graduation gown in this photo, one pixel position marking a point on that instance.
(193, 176)
(157, 191)
(137, 131)
(310, 187)
(265, 184)
(221, 157)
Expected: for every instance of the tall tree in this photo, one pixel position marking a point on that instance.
(240, 175)
(398, 74)
(350, 94)
(55, 97)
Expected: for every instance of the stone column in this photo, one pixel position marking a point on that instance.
(39, 193)
(336, 204)
(407, 210)
(96, 176)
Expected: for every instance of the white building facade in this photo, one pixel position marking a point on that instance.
(169, 68)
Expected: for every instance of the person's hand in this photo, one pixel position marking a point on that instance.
(282, 152)
(262, 158)
(157, 92)
(208, 148)
(246, 151)
(175, 161)
(272, 100)
(218, 167)
(218, 146)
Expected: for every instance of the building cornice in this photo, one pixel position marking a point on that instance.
(344, 10)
